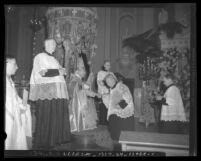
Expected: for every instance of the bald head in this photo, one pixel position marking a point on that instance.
(50, 45)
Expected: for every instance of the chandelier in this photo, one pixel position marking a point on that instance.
(77, 24)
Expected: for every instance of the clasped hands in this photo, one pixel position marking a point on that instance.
(159, 97)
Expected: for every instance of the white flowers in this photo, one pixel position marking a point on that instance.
(94, 46)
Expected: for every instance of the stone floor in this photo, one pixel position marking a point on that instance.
(83, 143)
(98, 139)
(92, 140)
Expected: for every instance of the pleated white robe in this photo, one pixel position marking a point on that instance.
(17, 123)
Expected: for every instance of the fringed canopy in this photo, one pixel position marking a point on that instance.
(148, 44)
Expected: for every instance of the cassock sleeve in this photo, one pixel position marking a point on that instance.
(51, 73)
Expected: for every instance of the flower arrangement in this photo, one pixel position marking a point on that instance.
(148, 44)
(155, 62)
(173, 60)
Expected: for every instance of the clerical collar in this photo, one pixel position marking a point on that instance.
(170, 85)
(59, 46)
(105, 70)
(48, 53)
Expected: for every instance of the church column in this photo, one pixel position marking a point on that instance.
(113, 37)
(139, 16)
(24, 43)
(100, 39)
(107, 34)
(12, 25)
(148, 19)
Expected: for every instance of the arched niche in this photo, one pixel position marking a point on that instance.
(127, 27)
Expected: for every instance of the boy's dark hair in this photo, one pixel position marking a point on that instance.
(104, 80)
(10, 57)
(105, 61)
(169, 76)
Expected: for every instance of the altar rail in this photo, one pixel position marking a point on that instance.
(171, 144)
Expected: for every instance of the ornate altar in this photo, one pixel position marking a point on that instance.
(77, 27)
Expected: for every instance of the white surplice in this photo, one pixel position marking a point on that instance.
(17, 119)
(174, 111)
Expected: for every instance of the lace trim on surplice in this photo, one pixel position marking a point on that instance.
(48, 91)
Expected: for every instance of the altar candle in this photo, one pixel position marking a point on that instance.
(149, 64)
(153, 67)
